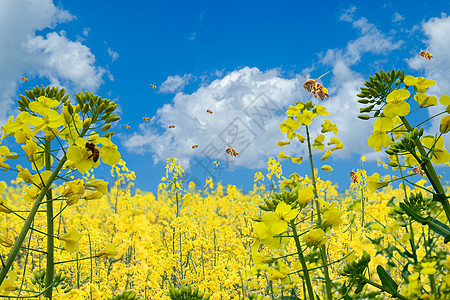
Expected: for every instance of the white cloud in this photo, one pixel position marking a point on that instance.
(347, 15)
(114, 55)
(237, 101)
(176, 83)
(54, 56)
(397, 17)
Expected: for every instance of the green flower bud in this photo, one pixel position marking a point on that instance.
(364, 117)
(105, 127)
(366, 109)
(108, 134)
(70, 109)
(362, 101)
(86, 108)
(87, 123)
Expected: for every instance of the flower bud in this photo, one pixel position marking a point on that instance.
(105, 127)
(87, 123)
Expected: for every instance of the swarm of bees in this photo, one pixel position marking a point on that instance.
(425, 54)
(153, 86)
(24, 79)
(194, 146)
(418, 171)
(146, 119)
(95, 152)
(231, 152)
(353, 177)
(209, 111)
(315, 88)
(127, 126)
(171, 126)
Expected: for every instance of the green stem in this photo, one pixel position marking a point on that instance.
(411, 239)
(323, 250)
(429, 170)
(50, 231)
(301, 258)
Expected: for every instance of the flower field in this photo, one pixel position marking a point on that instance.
(67, 235)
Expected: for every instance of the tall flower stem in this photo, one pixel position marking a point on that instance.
(301, 258)
(323, 250)
(50, 268)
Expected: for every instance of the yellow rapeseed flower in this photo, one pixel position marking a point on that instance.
(277, 221)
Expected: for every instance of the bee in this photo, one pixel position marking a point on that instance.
(95, 152)
(425, 54)
(209, 111)
(194, 146)
(24, 79)
(146, 119)
(127, 126)
(153, 86)
(315, 88)
(353, 177)
(418, 171)
(171, 126)
(231, 151)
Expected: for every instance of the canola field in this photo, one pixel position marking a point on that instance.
(66, 235)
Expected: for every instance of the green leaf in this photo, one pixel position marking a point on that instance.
(388, 282)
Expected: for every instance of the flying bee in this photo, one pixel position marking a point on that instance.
(425, 54)
(171, 126)
(127, 126)
(315, 88)
(194, 146)
(95, 152)
(146, 119)
(24, 79)
(418, 171)
(231, 151)
(209, 111)
(353, 177)
(153, 86)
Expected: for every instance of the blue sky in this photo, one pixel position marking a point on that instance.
(224, 56)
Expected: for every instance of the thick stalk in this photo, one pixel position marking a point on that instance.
(301, 258)
(50, 231)
(323, 250)
(429, 170)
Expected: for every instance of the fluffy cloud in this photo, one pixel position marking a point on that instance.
(397, 17)
(176, 83)
(248, 105)
(54, 56)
